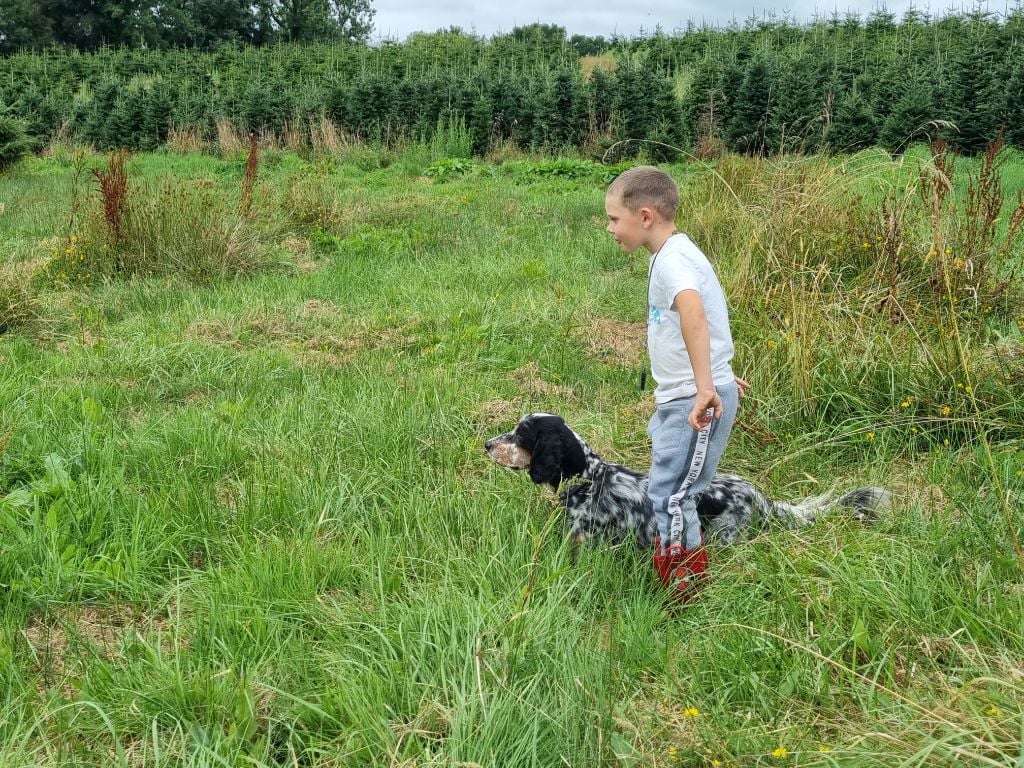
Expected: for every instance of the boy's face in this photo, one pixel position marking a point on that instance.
(630, 229)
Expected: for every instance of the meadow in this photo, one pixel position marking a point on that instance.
(247, 518)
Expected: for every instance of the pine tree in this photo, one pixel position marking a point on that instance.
(666, 130)
(796, 114)
(977, 97)
(1014, 115)
(751, 110)
(910, 120)
(480, 125)
(853, 126)
(701, 108)
(157, 109)
(601, 94)
(14, 140)
(565, 110)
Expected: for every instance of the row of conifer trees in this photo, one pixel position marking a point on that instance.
(833, 85)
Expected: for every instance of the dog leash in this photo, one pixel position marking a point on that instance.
(647, 310)
(700, 452)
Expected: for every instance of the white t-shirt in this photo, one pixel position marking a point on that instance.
(678, 267)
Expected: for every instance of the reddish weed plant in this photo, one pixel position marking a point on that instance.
(113, 184)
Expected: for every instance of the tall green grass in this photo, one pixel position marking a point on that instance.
(249, 521)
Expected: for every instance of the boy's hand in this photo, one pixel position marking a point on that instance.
(741, 386)
(699, 418)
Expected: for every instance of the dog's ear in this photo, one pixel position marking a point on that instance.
(556, 453)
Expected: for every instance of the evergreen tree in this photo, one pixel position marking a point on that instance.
(854, 126)
(666, 132)
(370, 105)
(14, 139)
(565, 110)
(751, 110)
(910, 120)
(703, 103)
(1014, 115)
(480, 125)
(508, 110)
(889, 85)
(796, 114)
(633, 112)
(156, 116)
(601, 89)
(977, 96)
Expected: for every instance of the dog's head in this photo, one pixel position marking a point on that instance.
(544, 445)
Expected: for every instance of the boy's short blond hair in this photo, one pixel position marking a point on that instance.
(647, 186)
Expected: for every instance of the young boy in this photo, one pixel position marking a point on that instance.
(690, 347)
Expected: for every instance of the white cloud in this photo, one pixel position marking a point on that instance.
(399, 18)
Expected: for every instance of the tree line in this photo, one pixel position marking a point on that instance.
(836, 84)
(87, 26)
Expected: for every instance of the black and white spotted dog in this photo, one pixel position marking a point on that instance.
(609, 501)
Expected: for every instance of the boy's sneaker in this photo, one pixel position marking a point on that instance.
(682, 571)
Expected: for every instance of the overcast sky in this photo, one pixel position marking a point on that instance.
(397, 18)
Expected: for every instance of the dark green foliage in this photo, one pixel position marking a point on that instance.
(563, 111)
(647, 113)
(911, 119)
(853, 126)
(703, 106)
(23, 26)
(601, 98)
(795, 123)
(1015, 104)
(14, 141)
(976, 95)
(267, 104)
(747, 129)
(763, 87)
(87, 26)
(588, 46)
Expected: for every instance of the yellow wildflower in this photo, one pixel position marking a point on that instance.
(780, 752)
(691, 712)
(824, 748)
(905, 404)
(993, 712)
(869, 436)
(945, 410)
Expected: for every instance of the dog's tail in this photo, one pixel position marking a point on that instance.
(863, 504)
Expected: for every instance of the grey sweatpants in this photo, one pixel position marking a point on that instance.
(683, 462)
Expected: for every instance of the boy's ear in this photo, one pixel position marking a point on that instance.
(647, 216)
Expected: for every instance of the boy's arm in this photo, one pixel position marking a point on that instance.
(693, 324)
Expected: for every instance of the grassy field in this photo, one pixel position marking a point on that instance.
(247, 518)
